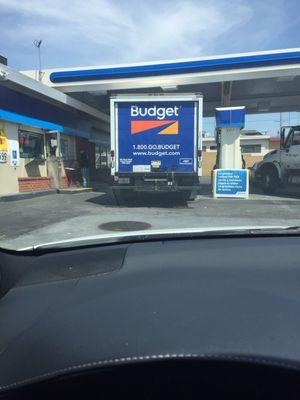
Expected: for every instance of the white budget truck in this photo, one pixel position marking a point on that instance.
(281, 167)
(156, 143)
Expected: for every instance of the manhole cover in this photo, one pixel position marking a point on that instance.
(123, 226)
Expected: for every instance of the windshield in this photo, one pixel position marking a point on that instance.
(123, 118)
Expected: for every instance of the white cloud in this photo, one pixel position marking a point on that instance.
(185, 28)
(103, 31)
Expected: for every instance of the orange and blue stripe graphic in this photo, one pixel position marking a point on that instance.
(166, 127)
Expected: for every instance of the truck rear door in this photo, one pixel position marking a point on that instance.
(157, 136)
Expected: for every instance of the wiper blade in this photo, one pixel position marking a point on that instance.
(151, 235)
(292, 228)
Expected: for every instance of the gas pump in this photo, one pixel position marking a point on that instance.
(229, 122)
(230, 178)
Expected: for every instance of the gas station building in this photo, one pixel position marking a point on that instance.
(44, 125)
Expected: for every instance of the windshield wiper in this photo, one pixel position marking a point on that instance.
(168, 234)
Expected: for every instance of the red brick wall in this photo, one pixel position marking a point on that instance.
(33, 183)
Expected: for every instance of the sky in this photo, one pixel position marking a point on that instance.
(268, 124)
(100, 32)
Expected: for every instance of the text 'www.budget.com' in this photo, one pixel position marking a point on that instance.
(156, 153)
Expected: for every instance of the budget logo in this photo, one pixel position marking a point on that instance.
(168, 127)
(161, 126)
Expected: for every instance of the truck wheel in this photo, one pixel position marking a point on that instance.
(270, 181)
(186, 195)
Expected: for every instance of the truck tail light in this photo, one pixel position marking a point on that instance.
(112, 163)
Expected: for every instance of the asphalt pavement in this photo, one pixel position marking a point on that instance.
(55, 217)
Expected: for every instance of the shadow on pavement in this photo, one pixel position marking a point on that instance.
(108, 198)
(135, 200)
(153, 200)
(105, 199)
(289, 192)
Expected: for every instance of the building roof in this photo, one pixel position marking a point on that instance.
(42, 124)
(266, 81)
(179, 67)
(24, 84)
(244, 138)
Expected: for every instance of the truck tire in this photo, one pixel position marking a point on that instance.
(186, 195)
(270, 180)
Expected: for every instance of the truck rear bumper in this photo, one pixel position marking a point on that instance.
(155, 188)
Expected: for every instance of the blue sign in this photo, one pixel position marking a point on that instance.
(231, 183)
(230, 116)
(156, 136)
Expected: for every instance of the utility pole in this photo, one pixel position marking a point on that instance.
(280, 123)
(37, 44)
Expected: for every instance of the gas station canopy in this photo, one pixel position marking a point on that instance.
(264, 82)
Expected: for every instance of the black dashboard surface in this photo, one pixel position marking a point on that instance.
(212, 299)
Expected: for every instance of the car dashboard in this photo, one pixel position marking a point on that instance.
(163, 318)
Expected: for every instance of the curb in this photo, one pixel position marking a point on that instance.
(40, 193)
(75, 190)
(27, 195)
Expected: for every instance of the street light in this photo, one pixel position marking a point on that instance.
(37, 44)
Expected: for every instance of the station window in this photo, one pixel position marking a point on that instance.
(214, 148)
(31, 144)
(203, 148)
(64, 149)
(102, 156)
(251, 148)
